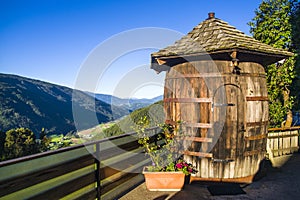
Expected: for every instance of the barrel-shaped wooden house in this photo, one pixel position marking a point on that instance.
(216, 86)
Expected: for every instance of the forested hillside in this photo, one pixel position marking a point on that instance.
(154, 114)
(36, 104)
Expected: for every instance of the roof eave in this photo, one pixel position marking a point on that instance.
(164, 62)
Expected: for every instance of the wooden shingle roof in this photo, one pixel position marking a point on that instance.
(214, 36)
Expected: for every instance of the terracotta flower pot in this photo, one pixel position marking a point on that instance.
(164, 181)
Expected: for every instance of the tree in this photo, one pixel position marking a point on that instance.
(44, 141)
(19, 142)
(273, 25)
(2, 141)
(296, 46)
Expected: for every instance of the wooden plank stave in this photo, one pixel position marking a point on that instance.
(199, 154)
(195, 139)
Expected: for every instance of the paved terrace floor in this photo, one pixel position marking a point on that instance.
(278, 183)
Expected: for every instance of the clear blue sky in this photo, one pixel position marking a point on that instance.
(50, 39)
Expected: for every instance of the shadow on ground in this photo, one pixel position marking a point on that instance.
(207, 190)
(270, 183)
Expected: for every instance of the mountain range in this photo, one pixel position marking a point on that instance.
(129, 103)
(36, 104)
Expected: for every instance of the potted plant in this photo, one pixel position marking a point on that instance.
(168, 170)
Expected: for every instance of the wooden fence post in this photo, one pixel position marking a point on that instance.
(97, 171)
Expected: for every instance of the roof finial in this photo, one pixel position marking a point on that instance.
(211, 15)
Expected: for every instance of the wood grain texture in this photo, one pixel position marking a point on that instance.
(229, 108)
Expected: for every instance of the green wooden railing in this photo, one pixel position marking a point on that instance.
(103, 169)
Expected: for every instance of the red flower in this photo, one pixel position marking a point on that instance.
(179, 165)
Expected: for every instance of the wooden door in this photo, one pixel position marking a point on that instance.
(228, 114)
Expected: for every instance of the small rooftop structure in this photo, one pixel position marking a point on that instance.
(215, 85)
